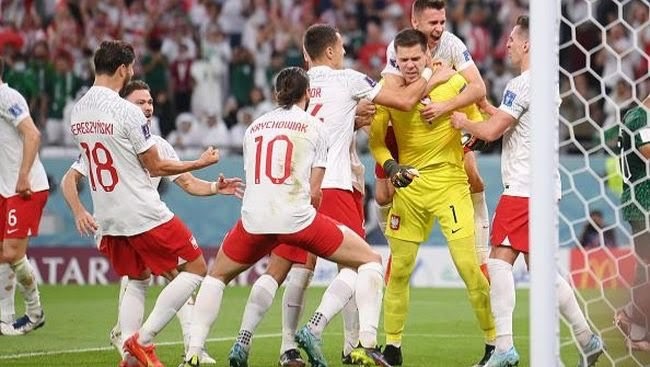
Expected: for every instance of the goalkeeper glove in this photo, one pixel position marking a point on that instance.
(400, 175)
(474, 143)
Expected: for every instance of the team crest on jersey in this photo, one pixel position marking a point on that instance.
(467, 55)
(370, 81)
(394, 222)
(15, 110)
(508, 98)
(146, 131)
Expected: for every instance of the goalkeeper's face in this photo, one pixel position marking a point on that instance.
(411, 61)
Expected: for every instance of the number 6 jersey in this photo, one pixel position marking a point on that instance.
(13, 111)
(111, 132)
(280, 149)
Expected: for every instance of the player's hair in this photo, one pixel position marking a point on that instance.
(132, 86)
(421, 5)
(318, 38)
(111, 54)
(522, 22)
(410, 38)
(291, 85)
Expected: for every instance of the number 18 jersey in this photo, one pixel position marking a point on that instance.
(111, 132)
(280, 149)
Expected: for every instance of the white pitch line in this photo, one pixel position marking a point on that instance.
(229, 338)
(104, 349)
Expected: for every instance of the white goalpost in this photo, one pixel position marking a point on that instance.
(544, 326)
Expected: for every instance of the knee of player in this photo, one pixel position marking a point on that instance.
(197, 266)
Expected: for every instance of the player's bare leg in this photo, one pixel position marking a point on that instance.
(14, 251)
(353, 252)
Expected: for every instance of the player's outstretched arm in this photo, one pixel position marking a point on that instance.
(489, 130)
(85, 222)
(157, 166)
(31, 142)
(223, 186)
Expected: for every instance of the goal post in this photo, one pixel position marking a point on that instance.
(544, 69)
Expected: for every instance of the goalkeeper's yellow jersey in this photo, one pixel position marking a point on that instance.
(422, 144)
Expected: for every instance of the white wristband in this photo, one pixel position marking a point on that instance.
(213, 188)
(426, 74)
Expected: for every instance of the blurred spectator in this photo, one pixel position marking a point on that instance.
(372, 55)
(61, 88)
(591, 234)
(40, 65)
(19, 76)
(155, 69)
(242, 75)
(187, 133)
(244, 119)
(208, 78)
(259, 104)
(214, 132)
(181, 79)
(498, 76)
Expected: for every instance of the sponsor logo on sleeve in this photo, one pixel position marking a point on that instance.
(466, 55)
(15, 110)
(369, 80)
(508, 98)
(146, 131)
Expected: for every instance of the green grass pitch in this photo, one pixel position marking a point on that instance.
(441, 331)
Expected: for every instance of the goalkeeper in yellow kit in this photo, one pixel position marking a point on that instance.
(432, 151)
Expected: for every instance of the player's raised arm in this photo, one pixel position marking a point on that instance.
(84, 221)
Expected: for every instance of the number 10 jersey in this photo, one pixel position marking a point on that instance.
(280, 149)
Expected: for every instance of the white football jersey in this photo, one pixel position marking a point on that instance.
(280, 149)
(516, 152)
(334, 95)
(13, 110)
(165, 150)
(450, 49)
(111, 132)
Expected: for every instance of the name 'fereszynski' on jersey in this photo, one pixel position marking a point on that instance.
(111, 132)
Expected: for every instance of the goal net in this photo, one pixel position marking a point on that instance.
(604, 47)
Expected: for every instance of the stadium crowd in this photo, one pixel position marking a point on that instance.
(210, 62)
